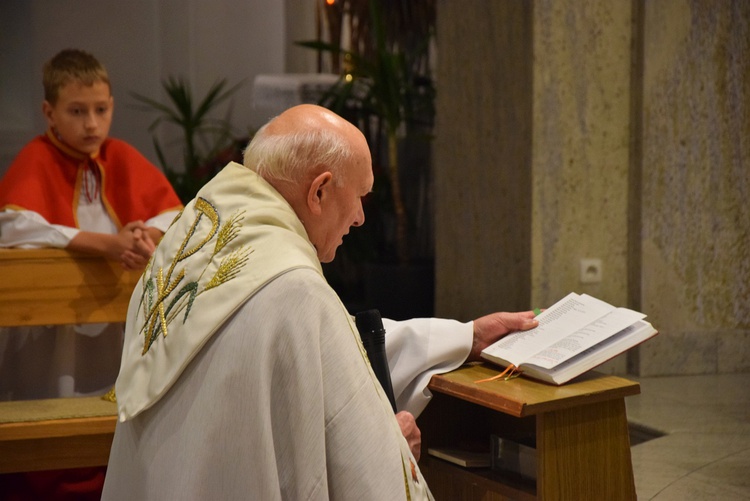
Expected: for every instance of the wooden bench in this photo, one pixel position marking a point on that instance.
(56, 287)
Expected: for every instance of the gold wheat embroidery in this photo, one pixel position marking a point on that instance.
(229, 231)
(229, 268)
(161, 300)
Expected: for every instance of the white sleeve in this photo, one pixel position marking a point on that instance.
(29, 230)
(419, 348)
(163, 220)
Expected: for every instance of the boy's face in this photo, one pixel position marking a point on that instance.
(82, 115)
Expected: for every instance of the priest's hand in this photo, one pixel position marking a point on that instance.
(411, 432)
(490, 328)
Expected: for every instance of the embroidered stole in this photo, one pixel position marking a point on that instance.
(235, 236)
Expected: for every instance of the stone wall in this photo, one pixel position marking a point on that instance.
(695, 277)
(620, 133)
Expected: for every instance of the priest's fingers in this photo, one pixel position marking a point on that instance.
(490, 328)
(411, 432)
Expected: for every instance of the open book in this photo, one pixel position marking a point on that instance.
(574, 335)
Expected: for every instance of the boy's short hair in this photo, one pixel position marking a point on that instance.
(71, 65)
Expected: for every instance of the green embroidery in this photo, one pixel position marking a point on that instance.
(160, 288)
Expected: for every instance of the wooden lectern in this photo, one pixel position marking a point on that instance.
(580, 432)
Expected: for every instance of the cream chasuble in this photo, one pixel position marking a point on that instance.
(243, 376)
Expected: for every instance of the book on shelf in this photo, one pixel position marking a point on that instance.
(461, 457)
(514, 457)
(574, 335)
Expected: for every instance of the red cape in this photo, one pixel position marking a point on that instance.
(45, 178)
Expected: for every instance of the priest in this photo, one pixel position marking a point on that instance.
(243, 375)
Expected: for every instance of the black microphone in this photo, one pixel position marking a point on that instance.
(372, 332)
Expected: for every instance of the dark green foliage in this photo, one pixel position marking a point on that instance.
(207, 142)
(386, 89)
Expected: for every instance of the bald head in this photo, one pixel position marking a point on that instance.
(320, 163)
(300, 142)
(309, 117)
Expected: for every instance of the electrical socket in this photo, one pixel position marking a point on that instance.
(591, 270)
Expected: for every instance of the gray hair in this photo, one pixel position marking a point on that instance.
(290, 156)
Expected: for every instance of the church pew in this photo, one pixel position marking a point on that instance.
(56, 287)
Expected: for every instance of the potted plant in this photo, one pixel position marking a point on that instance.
(387, 90)
(207, 142)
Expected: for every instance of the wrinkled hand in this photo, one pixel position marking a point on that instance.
(411, 432)
(490, 328)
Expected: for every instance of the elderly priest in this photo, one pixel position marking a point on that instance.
(243, 375)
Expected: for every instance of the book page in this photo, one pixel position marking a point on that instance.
(555, 323)
(582, 339)
(595, 355)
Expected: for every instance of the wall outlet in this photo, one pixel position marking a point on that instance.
(591, 270)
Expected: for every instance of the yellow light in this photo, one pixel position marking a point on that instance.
(348, 77)
(330, 2)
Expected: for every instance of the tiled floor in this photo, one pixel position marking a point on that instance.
(704, 453)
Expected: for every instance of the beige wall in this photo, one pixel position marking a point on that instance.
(141, 42)
(483, 157)
(581, 156)
(629, 138)
(696, 186)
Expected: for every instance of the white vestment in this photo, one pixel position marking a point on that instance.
(291, 414)
(66, 360)
(257, 387)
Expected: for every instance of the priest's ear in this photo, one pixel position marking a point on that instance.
(319, 191)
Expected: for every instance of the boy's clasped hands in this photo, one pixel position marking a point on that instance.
(137, 244)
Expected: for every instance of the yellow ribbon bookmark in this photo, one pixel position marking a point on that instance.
(514, 373)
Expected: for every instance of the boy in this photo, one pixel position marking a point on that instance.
(77, 189)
